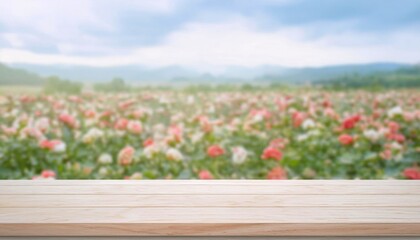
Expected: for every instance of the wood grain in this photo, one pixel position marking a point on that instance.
(209, 208)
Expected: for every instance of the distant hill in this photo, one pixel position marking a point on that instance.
(181, 75)
(407, 77)
(12, 76)
(303, 75)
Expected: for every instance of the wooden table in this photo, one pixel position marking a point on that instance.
(209, 208)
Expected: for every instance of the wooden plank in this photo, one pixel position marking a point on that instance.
(209, 238)
(379, 183)
(273, 189)
(212, 215)
(97, 201)
(199, 229)
(210, 208)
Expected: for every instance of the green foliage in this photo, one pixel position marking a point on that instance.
(402, 78)
(54, 84)
(115, 85)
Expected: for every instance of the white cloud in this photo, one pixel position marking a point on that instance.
(15, 40)
(61, 23)
(238, 42)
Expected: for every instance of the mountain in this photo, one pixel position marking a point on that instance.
(131, 73)
(233, 74)
(12, 76)
(299, 75)
(406, 77)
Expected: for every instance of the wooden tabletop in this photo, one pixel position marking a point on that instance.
(209, 208)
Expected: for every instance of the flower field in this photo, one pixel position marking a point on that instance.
(174, 134)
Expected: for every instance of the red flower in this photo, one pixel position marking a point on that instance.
(215, 151)
(148, 142)
(272, 153)
(48, 174)
(350, 122)
(412, 173)
(346, 139)
(205, 175)
(277, 173)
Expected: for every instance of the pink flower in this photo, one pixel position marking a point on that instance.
(126, 104)
(386, 154)
(205, 175)
(260, 113)
(412, 173)
(125, 156)
(277, 173)
(67, 119)
(89, 114)
(215, 151)
(106, 114)
(135, 127)
(121, 124)
(137, 114)
(298, 118)
(346, 139)
(396, 137)
(272, 153)
(9, 131)
(279, 143)
(175, 133)
(393, 127)
(53, 145)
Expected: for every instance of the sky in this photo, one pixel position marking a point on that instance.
(209, 34)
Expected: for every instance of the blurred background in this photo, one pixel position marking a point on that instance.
(181, 89)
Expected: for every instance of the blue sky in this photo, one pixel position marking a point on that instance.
(210, 34)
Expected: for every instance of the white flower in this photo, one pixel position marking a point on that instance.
(196, 137)
(211, 109)
(59, 147)
(105, 158)
(239, 155)
(314, 132)
(257, 118)
(372, 135)
(103, 171)
(395, 111)
(308, 123)
(174, 154)
(90, 122)
(190, 100)
(396, 146)
(151, 150)
(92, 135)
(42, 124)
(302, 137)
